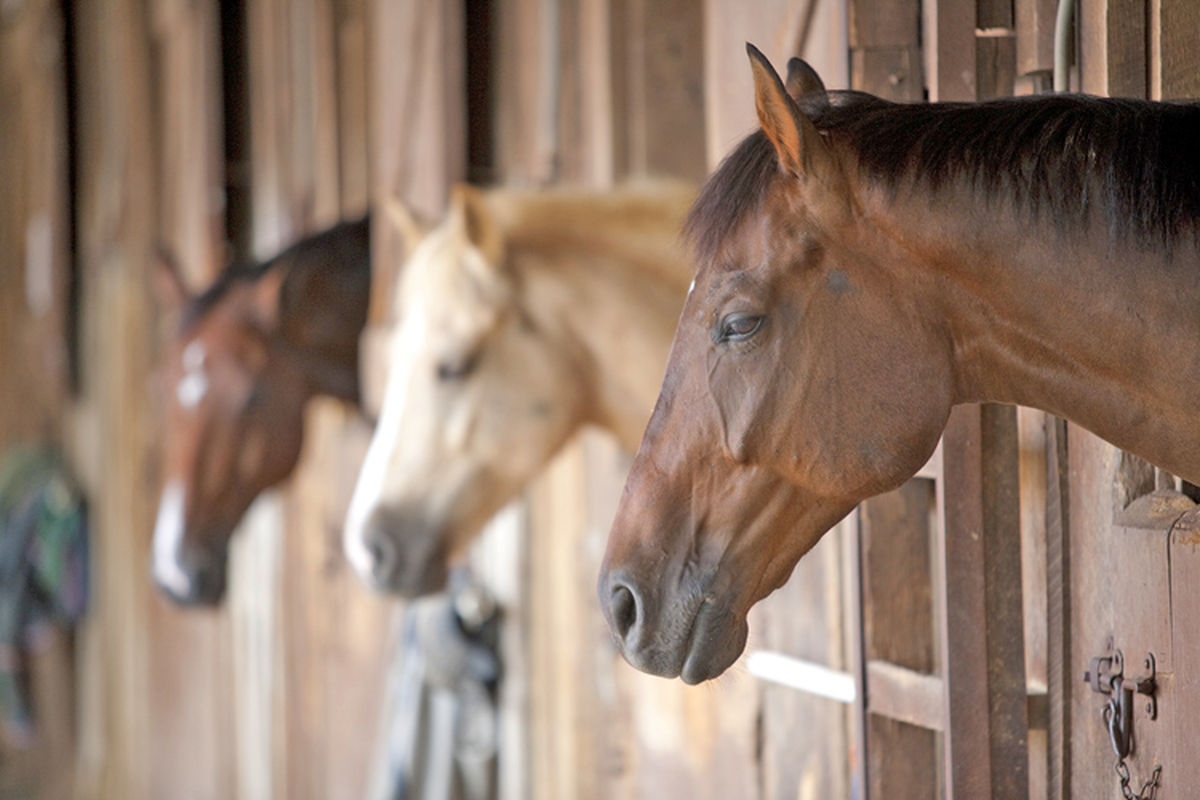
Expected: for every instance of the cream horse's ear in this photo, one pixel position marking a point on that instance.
(469, 209)
(410, 229)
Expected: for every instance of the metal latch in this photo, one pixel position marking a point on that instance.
(1106, 675)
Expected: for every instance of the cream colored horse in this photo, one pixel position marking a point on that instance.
(520, 318)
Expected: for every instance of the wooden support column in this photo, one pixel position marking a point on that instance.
(984, 674)
(116, 210)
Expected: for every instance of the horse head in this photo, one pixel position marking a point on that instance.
(794, 365)
(519, 318)
(245, 358)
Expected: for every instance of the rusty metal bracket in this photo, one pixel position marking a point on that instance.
(1106, 676)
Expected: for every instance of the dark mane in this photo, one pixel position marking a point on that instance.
(1058, 157)
(322, 248)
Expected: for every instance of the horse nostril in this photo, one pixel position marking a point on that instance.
(382, 550)
(624, 610)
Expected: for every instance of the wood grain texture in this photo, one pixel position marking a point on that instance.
(35, 341)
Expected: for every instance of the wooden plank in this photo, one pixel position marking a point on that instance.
(1179, 28)
(1113, 59)
(1059, 674)
(876, 24)
(804, 619)
(905, 695)
(658, 88)
(994, 14)
(778, 29)
(995, 63)
(893, 73)
(34, 215)
(418, 108)
(980, 559)
(1032, 476)
(116, 211)
(35, 344)
(1185, 646)
(352, 64)
(1034, 21)
(949, 30)
(1120, 587)
(897, 628)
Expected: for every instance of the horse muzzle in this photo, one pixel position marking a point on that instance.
(687, 633)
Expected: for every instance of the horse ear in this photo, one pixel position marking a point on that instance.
(170, 290)
(469, 208)
(797, 141)
(802, 80)
(268, 296)
(406, 224)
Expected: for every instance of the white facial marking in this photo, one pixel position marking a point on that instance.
(194, 384)
(372, 476)
(194, 356)
(168, 540)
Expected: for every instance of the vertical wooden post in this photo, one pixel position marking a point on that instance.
(116, 216)
(985, 739)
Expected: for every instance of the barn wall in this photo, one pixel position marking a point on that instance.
(357, 102)
(35, 331)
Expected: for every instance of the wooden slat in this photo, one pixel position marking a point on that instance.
(658, 77)
(1031, 432)
(905, 695)
(1059, 674)
(1185, 647)
(35, 349)
(352, 64)
(950, 52)
(776, 27)
(995, 60)
(986, 749)
(1113, 58)
(898, 629)
(418, 107)
(1034, 20)
(1179, 27)
(116, 206)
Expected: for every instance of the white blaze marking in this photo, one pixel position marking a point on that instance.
(194, 384)
(168, 540)
(372, 477)
(194, 356)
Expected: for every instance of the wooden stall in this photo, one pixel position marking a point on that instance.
(963, 608)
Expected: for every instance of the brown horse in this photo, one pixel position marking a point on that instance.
(248, 354)
(865, 266)
(521, 318)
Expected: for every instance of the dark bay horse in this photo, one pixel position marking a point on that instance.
(248, 354)
(861, 268)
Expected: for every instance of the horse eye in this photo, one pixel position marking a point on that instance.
(457, 369)
(253, 398)
(737, 327)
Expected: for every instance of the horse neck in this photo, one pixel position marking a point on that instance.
(612, 295)
(322, 337)
(1104, 333)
